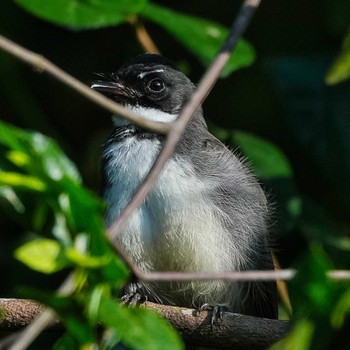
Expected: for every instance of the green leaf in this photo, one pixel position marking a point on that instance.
(71, 309)
(36, 153)
(312, 292)
(87, 261)
(268, 160)
(202, 37)
(83, 14)
(341, 310)
(66, 342)
(139, 328)
(340, 69)
(23, 181)
(18, 158)
(43, 255)
(299, 338)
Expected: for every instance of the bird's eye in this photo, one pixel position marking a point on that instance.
(156, 85)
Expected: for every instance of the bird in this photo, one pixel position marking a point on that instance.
(206, 212)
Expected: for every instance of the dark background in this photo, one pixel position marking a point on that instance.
(282, 97)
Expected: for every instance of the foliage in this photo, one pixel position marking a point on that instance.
(340, 69)
(320, 307)
(198, 35)
(77, 242)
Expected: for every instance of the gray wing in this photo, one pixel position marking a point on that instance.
(236, 192)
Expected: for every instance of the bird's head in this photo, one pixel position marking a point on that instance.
(149, 85)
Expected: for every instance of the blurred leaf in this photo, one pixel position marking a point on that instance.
(18, 158)
(36, 153)
(43, 255)
(341, 243)
(269, 161)
(340, 69)
(87, 261)
(312, 292)
(83, 14)
(299, 338)
(313, 295)
(71, 309)
(23, 181)
(139, 328)
(202, 37)
(341, 310)
(66, 342)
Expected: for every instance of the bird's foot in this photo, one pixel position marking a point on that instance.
(133, 295)
(216, 311)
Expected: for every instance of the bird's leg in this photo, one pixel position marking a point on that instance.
(216, 311)
(134, 294)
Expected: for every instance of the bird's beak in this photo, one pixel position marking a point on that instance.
(112, 88)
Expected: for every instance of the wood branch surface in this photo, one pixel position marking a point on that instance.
(231, 331)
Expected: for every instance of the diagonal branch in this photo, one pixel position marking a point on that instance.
(142, 36)
(42, 64)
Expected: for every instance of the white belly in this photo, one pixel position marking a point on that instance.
(176, 228)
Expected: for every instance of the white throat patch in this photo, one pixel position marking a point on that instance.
(152, 114)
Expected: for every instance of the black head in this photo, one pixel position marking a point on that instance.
(147, 81)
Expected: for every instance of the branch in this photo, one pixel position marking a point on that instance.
(142, 36)
(230, 331)
(243, 276)
(41, 64)
(178, 127)
(41, 318)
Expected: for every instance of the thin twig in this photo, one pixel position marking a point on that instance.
(142, 36)
(178, 127)
(339, 275)
(42, 64)
(266, 275)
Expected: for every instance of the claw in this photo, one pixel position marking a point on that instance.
(216, 312)
(133, 295)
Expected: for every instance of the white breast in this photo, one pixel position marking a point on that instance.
(176, 227)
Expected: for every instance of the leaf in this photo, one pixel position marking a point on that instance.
(312, 292)
(87, 261)
(83, 14)
(202, 37)
(299, 338)
(23, 181)
(139, 328)
(43, 255)
(341, 310)
(34, 152)
(18, 158)
(71, 309)
(340, 69)
(11, 197)
(66, 342)
(268, 160)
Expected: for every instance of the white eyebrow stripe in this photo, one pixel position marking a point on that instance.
(143, 74)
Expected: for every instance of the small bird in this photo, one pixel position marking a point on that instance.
(205, 213)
